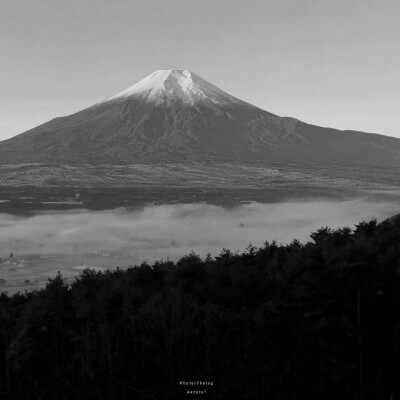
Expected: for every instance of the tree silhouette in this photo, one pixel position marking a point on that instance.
(300, 321)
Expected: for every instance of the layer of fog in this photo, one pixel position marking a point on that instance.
(174, 230)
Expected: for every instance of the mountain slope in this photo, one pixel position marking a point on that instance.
(175, 115)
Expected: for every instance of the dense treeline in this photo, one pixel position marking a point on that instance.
(313, 321)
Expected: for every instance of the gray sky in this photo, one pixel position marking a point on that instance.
(331, 63)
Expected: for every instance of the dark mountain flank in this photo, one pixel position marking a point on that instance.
(175, 128)
(175, 112)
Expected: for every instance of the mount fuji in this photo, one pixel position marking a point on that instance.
(175, 128)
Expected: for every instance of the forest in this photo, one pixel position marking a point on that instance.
(315, 320)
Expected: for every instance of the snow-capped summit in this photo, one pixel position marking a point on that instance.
(176, 115)
(165, 86)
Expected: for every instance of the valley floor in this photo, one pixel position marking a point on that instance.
(28, 190)
(25, 187)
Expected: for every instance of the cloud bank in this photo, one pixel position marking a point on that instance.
(125, 237)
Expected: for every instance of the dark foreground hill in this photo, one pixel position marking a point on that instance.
(313, 321)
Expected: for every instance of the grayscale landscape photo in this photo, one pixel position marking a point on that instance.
(200, 199)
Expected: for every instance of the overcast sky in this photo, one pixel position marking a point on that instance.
(331, 63)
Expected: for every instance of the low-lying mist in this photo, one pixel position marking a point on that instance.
(174, 230)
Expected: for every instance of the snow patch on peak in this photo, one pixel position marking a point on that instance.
(165, 86)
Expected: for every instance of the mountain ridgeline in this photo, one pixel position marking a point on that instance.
(174, 115)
